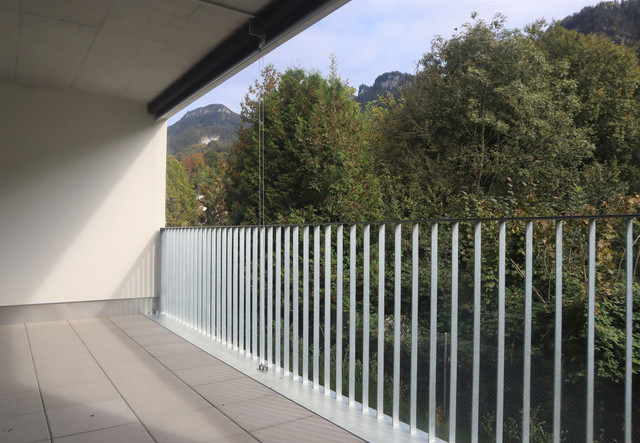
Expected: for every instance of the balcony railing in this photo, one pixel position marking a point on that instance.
(477, 329)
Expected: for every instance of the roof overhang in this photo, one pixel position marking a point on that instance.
(163, 53)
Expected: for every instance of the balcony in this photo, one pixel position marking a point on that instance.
(129, 379)
(451, 330)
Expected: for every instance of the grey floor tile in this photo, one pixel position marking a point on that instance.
(25, 382)
(241, 438)
(158, 339)
(58, 349)
(131, 433)
(191, 360)
(208, 374)
(232, 391)
(132, 323)
(128, 366)
(171, 349)
(19, 403)
(158, 379)
(89, 417)
(104, 356)
(163, 404)
(58, 379)
(202, 426)
(81, 361)
(15, 367)
(314, 429)
(24, 428)
(146, 330)
(270, 411)
(79, 393)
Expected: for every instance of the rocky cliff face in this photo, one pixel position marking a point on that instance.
(387, 82)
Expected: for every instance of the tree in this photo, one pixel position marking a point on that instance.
(486, 116)
(181, 202)
(607, 77)
(316, 163)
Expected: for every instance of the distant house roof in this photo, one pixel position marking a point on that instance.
(164, 53)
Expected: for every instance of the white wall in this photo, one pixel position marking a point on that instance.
(82, 190)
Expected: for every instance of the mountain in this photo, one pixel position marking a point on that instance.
(619, 20)
(387, 82)
(203, 129)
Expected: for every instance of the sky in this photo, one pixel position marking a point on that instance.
(371, 37)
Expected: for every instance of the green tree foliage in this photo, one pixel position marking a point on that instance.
(317, 166)
(181, 203)
(487, 116)
(607, 77)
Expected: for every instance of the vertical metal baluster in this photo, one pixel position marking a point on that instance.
(557, 357)
(433, 325)
(187, 278)
(591, 328)
(262, 282)
(229, 286)
(453, 387)
(287, 296)
(270, 295)
(219, 271)
(212, 303)
(241, 286)
(206, 275)
(327, 310)
(502, 245)
(477, 279)
(254, 297)
(305, 304)
(366, 312)
(236, 273)
(201, 275)
(316, 306)
(164, 269)
(396, 323)
(191, 279)
(194, 278)
(278, 312)
(294, 296)
(339, 271)
(224, 276)
(247, 293)
(352, 315)
(414, 328)
(381, 290)
(526, 394)
(629, 334)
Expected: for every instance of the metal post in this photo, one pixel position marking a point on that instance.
(339, 282)
(366, 311)
(557, 358)
(327, 310)
(381, 290)
(433, 325)
(414, 328)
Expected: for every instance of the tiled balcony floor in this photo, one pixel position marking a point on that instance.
(128, 379)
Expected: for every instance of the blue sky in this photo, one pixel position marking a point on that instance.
(370, 37)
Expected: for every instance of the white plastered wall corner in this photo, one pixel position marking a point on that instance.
(82, 191)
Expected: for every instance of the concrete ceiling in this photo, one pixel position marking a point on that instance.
(164, 53)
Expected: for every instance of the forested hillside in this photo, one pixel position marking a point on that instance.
(618, 20)
(209, 128)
